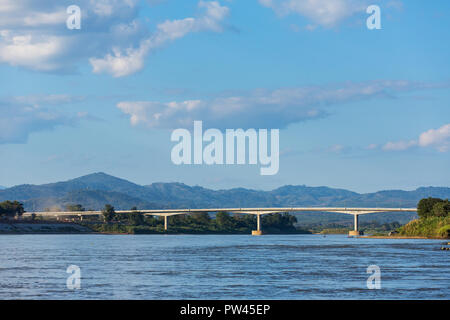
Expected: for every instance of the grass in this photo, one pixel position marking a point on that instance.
(431, 227)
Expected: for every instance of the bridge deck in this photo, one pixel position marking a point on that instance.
(346, 210)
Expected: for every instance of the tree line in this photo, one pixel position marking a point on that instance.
(433, 207)
(11, 209)
(202, 221)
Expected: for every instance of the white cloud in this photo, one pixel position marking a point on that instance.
(399, 145)
(33, 34)
(109, 7)
(436, 138)
(125, 62)
(327, 13)
(31, 51)
(120, 64)
(113, 38)
(260, 108)
(24, 115)
(336, 148)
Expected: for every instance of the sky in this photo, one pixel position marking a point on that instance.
(356, 108)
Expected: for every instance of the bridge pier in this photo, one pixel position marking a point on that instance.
(165, 222)
(355, 231)
(258, 231)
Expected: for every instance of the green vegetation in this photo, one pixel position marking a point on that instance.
(433, 222)
(433, 207)
(196, 223)
(372, 227)
(11, 209)
(431, 227)
(109, 214)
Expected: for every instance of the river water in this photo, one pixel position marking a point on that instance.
(221, 267)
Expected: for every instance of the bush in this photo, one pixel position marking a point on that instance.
(444, 232)
(432, 227)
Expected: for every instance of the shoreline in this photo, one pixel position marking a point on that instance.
(403, 237)
(38, 228)
(52, 227)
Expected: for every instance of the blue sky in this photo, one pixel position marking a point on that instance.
(359, 109)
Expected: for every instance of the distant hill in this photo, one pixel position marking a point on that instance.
(2, 187)
(93, 191)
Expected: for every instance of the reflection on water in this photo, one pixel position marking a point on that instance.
(221, 267)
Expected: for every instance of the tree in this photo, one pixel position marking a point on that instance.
(279, 221)
(151, 221)
(224, 220)
(244, 220)
(136, 218)
(201, 217)
(108, 213)
(74, 207)
(11, 208)
(425, 206)
(441, 209)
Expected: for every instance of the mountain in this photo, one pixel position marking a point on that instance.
(93, 191)
(96, 181)
(2, 187)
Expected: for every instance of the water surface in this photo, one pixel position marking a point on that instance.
(221, 267)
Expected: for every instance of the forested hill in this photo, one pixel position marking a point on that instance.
(95, 190)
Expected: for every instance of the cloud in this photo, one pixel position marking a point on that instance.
(435, 138)
(31, 51)
(122, 63)
(33, 34)
(113, 38)
(261, 108)
(336, 148)
(322, 12)
(399, 145)
(24, 115)
(372, 146)
(50, 99)
(327, 13)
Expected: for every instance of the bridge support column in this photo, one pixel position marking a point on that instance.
(258, 231)
(165, 223)
(355, 231)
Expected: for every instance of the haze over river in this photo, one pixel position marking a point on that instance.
(221, 267)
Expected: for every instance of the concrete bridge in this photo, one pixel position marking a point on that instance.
(356, 212)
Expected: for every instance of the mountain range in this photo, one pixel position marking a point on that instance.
(93, 191)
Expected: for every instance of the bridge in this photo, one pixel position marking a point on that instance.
(356, 212)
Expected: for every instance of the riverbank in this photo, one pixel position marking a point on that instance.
(211, 229)
(402, 237)
(43, 228)
(52, 227)
(428, 227)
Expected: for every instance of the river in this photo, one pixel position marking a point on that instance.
(221, 267)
